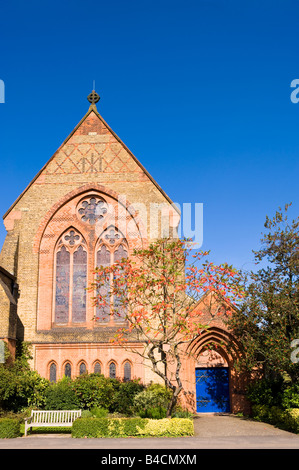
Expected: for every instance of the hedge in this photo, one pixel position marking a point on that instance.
(283, 419)
(130, 427)
(9, 428)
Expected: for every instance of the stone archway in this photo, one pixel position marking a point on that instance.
(212, 356)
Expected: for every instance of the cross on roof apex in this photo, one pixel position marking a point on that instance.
(93, 97)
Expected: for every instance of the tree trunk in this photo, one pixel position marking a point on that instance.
(173, 401)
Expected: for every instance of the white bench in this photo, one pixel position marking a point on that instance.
(51, 418)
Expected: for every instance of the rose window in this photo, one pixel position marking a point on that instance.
(92, 209)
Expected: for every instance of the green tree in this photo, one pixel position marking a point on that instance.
(268, 320)
(94, 390)
(20, 386)
(61, 396)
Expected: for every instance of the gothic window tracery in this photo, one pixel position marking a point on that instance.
(92, 209)
(71, 278)
(111, 248)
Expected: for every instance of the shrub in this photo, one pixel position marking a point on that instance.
(90, 427)
(93, 390)
(260, 413)
(283, 419)
(9, 428)
(61, 396)
(107, 427)
(97, 412)
(154, 396)
(168, 427)
(292, 420)
(265, 392)
(126, 427)
(290, 397)
(123, 399)
(182, 413)
(21, 388)
(153, 412)
(277, 417)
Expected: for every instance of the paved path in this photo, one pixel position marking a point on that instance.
(211, 432)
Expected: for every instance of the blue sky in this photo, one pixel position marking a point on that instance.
(198, 90)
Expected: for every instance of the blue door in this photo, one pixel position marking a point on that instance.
(212, 389)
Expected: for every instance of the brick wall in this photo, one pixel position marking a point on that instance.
(91, 161)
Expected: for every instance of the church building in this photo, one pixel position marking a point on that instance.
(90, 205)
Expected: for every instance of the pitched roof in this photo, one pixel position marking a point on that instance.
(93, 109)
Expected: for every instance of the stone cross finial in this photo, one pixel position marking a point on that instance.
(93, 97)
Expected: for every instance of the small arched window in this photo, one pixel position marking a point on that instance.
(68, 370)
(112, 370)
(53, 372)
(127, 371)
(97, 368)
(82, 368)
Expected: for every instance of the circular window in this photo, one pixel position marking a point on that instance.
(92, 209)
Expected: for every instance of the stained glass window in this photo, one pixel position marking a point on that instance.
(97, 368)
(119, 309)
(92, 209)
(71, 279)
(112, 370)
(72, 238)
(79, 285)
(53, 372)
(82, 368)
(112, 236)
(120, 253)
(127, 371)
(103, 259)
(62, 286)
(112, 249)
(68, 370)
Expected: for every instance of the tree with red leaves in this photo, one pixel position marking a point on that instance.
(155, 292)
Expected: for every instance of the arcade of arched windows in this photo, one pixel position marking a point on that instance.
(113, 370)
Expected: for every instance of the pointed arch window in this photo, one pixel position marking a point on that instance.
(82, 368)
(71, 278)
(127, 371)
(53, 372)
(68, 370)
(111, 247)
(97, 368)
(112, 370)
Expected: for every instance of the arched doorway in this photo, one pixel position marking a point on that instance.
(212, 382)
(214, 377)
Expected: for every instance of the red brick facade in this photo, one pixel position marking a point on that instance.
(54, 236)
